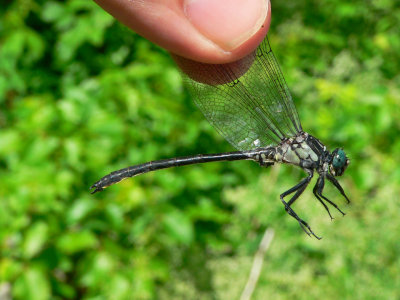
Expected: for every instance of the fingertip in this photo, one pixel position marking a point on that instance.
(195, 66)
(236, 34)
(227, 23)
(252, 43)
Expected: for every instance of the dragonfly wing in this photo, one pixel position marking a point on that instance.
(247, 101)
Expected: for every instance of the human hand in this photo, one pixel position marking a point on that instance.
(208, 31)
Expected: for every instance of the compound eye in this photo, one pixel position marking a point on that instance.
(339, 160)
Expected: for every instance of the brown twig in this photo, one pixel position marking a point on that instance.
(257, 264)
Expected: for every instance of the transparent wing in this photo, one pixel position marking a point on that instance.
(248, 101)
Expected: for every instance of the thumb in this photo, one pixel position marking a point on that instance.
(208, 31)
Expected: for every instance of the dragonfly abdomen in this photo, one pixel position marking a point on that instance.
(122, 174)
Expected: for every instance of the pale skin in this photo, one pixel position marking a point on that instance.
(208, 31)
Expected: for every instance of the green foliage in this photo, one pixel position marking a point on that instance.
(80, 95)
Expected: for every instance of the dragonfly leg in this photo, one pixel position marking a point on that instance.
(299, 189)
(337, 185)
(318, 188)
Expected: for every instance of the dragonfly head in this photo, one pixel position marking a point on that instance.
(339, 162)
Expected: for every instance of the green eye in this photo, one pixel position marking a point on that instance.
(339, 160)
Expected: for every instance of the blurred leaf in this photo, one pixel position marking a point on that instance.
(80, 209)
(115, 215)
(179, 227)
(32, 284)
(35, 238)
(53, 11)
(77, 241)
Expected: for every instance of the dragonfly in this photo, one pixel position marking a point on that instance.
(250, 105)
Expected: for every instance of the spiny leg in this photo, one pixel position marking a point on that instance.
(320, 188)
(337, 185)
(299, 189)
(317, 188)
(303, 224)
(289, 210)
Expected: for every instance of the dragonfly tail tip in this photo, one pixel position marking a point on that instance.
(96, 188)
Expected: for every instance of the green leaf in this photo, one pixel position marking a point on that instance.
(77, 241)
(33, 284)
(53, 11)
(79, 209)
(35, 238)
(179, 227)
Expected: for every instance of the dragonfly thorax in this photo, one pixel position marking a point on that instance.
(302, 150)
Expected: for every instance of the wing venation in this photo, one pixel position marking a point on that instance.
(248, 101)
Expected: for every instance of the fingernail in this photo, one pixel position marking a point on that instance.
(227, 23)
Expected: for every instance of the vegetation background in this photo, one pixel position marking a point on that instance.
(80, 96)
